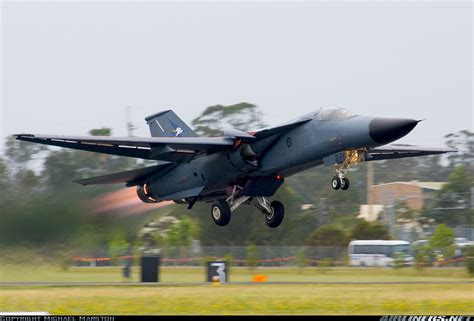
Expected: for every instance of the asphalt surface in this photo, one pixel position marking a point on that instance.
(15, 284)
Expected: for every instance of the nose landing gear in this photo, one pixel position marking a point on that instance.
(351, 158)
(339, 182)
(345, 183)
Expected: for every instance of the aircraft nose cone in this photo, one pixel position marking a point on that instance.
(386, 130)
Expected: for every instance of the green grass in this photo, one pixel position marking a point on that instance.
(13, 273)
(242, 299)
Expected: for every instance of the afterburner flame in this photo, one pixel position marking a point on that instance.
(124, 201)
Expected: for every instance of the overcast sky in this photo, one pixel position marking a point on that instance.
(69, 67)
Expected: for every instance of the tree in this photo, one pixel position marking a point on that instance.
(118, 246)
(104, 131)
(463, 141)
(5, 192)
(215, 119)
(19, 153)
(364, 230)
(179, 234)
(63, 166)
(327, 235)
(442, 240)
(3, 175)
(452, 204)
(456, 192)
(442, 237)
(211, 122)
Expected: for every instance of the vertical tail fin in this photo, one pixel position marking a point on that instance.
(168, 124)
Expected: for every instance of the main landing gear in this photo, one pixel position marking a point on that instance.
(222, 209)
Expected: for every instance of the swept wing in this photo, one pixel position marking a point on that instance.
(394, 151)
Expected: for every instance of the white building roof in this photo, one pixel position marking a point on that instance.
(368, 215)
(425, 185)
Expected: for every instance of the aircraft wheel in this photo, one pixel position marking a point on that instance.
(220, 212)
(336, 183)
(345, 184)
(275, 217)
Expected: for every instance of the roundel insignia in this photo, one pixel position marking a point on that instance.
(289, 142)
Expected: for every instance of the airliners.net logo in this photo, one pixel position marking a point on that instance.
(426, 318)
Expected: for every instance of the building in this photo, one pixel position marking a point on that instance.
(415, 194)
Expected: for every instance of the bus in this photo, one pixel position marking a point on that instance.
(378, 252)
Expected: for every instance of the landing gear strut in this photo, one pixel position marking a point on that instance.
(221, 209)
(351, 158)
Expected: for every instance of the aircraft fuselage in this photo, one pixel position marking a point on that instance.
(291, 153)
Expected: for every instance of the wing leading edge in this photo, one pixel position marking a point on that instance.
(173, 149)
(158, 148)
(402, 151)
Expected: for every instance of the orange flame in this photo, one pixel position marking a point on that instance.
(124, 201)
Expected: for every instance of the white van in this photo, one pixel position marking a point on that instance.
(378, 252)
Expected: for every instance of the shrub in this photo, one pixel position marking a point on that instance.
(422, 257)
(398, 260)
(229, 258)
(301, 259)
(206, 259)
(252, 256)
(325, 264)
(470, 260)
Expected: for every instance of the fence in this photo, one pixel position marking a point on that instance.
(239, 255)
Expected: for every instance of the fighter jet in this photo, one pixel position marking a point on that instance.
(244, 167)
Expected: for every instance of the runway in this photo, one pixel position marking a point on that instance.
(27, 284)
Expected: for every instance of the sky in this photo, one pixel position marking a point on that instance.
(68, 67)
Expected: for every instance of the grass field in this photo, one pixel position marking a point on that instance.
(241, 298)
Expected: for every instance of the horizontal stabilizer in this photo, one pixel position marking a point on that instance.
(128, 177)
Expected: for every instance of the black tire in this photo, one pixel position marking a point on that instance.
(336, 183)
(220, 212)
(275, 218)
(345, 184)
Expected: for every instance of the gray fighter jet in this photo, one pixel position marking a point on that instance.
(244, 167)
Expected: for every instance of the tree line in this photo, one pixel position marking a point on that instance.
(41, 206)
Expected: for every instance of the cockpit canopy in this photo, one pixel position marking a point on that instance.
(334, 114)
